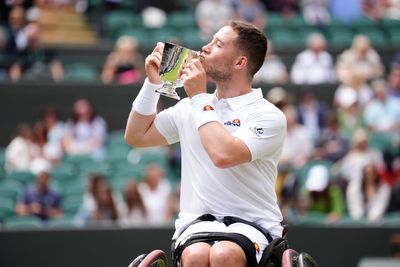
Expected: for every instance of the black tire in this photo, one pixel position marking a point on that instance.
(156, 258)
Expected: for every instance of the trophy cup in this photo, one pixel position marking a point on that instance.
(172, 59)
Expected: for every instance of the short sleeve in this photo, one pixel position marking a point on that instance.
(264, 133)
(166, 124)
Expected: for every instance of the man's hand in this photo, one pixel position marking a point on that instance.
(153, 63)
(194, 78)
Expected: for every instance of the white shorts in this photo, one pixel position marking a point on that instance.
(258, 238)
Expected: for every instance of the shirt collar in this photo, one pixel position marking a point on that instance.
(240, 101)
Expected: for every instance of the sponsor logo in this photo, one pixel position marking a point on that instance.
(208, 108)
(234, 122)
(257, 247)
(257, 130)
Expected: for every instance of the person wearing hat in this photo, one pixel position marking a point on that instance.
(39, 199)
(323, 196)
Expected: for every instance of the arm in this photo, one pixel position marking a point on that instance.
(140, 130)
(224, 149)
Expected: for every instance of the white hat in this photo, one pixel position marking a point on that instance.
(317, 178)
(40, 165)
(346, 97)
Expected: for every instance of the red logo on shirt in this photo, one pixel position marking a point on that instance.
(208, 108)
(234, 122)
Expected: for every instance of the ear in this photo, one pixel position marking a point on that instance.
(241, 62)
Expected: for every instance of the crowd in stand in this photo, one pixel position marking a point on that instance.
(340, 159)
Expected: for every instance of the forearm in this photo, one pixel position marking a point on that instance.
(224, 149)
(221, 146)
(140, 130)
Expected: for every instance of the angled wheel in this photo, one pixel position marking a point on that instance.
(305, 260)
(289, 258)
(156, 258)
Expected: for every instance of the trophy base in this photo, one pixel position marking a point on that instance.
(168, 92)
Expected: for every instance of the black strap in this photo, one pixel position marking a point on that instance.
(244, 242)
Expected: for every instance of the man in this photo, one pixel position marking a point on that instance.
(40, 200)
(231, 141)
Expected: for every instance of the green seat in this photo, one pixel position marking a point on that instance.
(125, 169)
(7, 208)
(71, 205)
(103, 167)
(23, 177)
(65, 222)
(141, 34)
(362, 23)
(181, 20)
(117, 153)
(376, 36)
(190, 38)
(116, 137)
(80, 72)
(394, 36)
(23, 223)
(339, 37)
(10, 189)
(391, 219)
(116, 20)
(286, 38)
(312, 218)
(275, 20)
(64, 171)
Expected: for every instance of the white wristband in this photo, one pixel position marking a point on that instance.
(147, 99)
(203, 108)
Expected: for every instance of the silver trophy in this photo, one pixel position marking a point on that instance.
(174, 56)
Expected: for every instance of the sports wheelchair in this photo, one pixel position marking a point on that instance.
(278, 255)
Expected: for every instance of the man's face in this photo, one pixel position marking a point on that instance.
(218, 56)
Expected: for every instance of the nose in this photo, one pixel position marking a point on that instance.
(206, 48)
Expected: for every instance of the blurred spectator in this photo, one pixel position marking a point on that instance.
(287, 8)
(279, 97)
(136, 213)
(313, 65)
(369, 197)
(157, 196)
(273, 69)
(349, 114)
(85, 132)
(298, 144)
(312, 113)
(54, 132)
(360, 155)
(88, 206)
(316, 12)
(360, 57)
(3, 55)
(323, 196)
(40, 200)
(252, 11)
(124, 64)
(382, 114)
(346, 11)
(17, 40)
(391, 9)
(106, 209)
(334, 145)
(374, 9)
(36, 62)
(354, 81)
(22, 150)
(211, 15)
(394, 81)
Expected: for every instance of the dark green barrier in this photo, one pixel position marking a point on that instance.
(331, 246)
(24, 102)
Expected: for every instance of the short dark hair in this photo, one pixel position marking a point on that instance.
(252, 42)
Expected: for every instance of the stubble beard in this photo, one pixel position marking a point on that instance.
(218, 74)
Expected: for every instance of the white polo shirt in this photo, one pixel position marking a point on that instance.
(246, 190)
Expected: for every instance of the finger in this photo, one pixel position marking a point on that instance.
(196, 62)
(159, 48)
